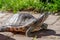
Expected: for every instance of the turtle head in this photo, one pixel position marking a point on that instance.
(43, 17)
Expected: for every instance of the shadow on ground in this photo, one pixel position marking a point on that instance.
(3, 37)
(47, 32)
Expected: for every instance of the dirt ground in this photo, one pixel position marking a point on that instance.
(52, 32)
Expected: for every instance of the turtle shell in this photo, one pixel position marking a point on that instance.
(19, 22)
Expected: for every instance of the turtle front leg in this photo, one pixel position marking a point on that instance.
(44, 26)
(29, 30)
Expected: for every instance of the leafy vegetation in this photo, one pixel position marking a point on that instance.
(32, 5)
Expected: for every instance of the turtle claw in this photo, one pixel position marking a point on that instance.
(44, 26)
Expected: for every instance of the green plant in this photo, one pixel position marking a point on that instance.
(17, 5)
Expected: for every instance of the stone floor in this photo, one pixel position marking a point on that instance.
(52, 33)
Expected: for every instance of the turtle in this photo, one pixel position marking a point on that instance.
(24, 22)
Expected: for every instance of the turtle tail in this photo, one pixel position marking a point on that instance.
(3, 29)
